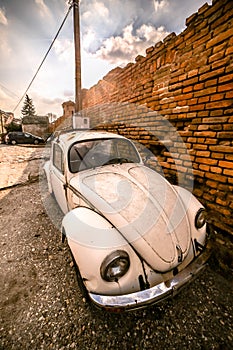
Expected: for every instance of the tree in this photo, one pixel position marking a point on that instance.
(28, 107)
(13, 127)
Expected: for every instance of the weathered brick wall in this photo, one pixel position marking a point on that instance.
(188, 80)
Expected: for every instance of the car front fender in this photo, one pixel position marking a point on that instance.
(86, 227)
(91, 238)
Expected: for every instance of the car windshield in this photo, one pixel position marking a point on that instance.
(94, 153)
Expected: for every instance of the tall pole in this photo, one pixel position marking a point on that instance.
(78, 97)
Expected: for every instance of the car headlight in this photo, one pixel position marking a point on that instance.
(115, 266)
(200, 219)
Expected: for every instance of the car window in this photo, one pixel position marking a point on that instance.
(94, 153)
(58, 157)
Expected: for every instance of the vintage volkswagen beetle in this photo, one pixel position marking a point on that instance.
(135, 238)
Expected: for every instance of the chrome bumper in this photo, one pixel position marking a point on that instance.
(141, 299)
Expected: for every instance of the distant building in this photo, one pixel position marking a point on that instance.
(36, 125)
(52, 117)
(68, 109)
(5, 119)
(70, 119)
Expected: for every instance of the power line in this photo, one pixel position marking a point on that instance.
(7, 90)
(44, 57)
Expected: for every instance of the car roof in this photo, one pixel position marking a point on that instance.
(68, 138)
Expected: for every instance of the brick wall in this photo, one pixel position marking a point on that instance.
(188, 81)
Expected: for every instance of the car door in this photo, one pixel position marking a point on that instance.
(57, 176)
(26, 138)
(19, 137)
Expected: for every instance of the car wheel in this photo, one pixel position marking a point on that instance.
(36, 142)
(13, 142)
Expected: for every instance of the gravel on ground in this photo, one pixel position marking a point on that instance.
(41, 306)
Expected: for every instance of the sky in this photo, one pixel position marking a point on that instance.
(113, 33)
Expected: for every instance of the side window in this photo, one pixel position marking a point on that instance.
(58, 158)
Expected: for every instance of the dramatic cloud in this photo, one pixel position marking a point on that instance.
(113, 33)
(64, 49)
(3, 19)
(43, 9)
(160, 5)
(123, 49)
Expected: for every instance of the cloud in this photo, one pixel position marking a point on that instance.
(160, 5)
(68, 93)
(96, 24)
(3, 19)
(122, 49)
(64, 49)
(97, 10)
(5, 49)
(43, 8)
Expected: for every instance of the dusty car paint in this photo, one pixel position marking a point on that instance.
(124, 206)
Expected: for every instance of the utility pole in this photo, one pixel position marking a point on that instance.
(1, 122)
(78, 97)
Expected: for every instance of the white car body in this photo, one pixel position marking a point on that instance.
(123, 219)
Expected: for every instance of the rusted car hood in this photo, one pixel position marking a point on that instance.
(144, 207)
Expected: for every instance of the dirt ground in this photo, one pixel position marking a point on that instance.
(41, 306)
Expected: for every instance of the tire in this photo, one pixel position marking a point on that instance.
(36, 142)
(13, 142)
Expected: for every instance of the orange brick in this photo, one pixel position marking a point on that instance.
(212, 74)
(188, 89)
(217, 56)
(211, 141)
(220, 63)
(219, 38)
(222, 202)
(217, 155)
(207, 161)
(198, 173)
(216, 177)
(219, 104)
(212, 184)
(217, 97)
(228, 127)
(216, 113)
(205, 133)
(203, 127)
(229, 157)
(229, 94)
(199, 107)
(225, 78)
(225, 135)
(208, 197)
(216, 170)
(215, 120)
(226, 164)
(228, 172)
(211, 82)
(219, 47)
(204, 167)
(221, 149)
(199, 86)
(202, 153)
(204, 99)
(225, 87)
